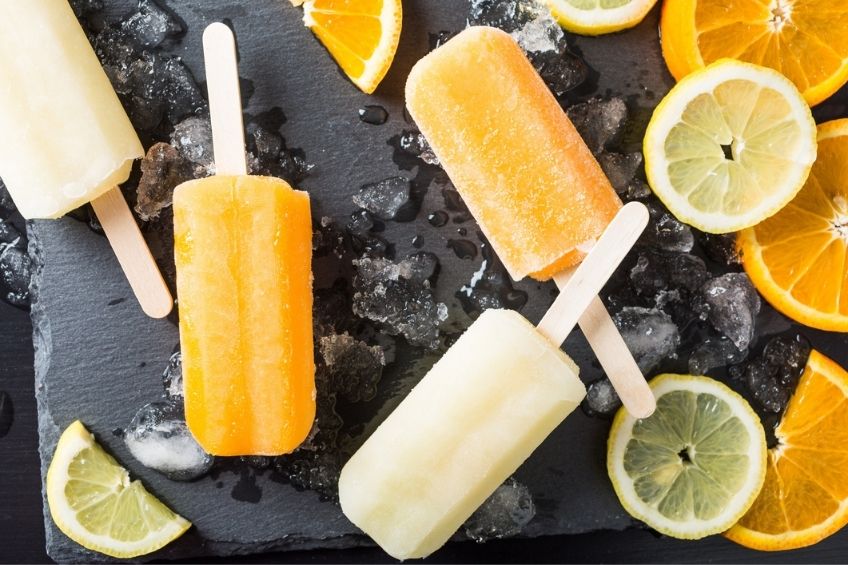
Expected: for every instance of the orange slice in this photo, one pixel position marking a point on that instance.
(361, 35)
(805, 495)
(797, 258)
(803, 39)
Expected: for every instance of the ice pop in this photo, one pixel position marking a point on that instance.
(65, 139)
(524, 171)
(243, 251)
(476, 416)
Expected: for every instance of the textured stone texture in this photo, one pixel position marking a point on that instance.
(98, 358)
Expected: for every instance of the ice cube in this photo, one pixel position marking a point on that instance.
(713, 353)
(540, 32)
(414, 143)
(599, 121)
(362, 240)
(385, 198)
(601, 398)
(268, 144)
(84, 7)
(655, 272)
(395, 295)
(667, 233)
(620, 169)
(162, 170)
(151, 25)
(650, 334)
(15, 274)
(153, 86)
(772, 376)
(503, 514)
(721, 248)
(193, 138)
(354, 367)
(502, 14)
(731, 305)
(531, 24)
(172, 378)
(9, 234)
(562, 71)
(159, 438)
(318, 471)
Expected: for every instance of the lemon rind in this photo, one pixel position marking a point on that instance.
(599, 21)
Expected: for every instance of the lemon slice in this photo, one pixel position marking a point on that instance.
(361, 35)
(596, 17)
(93, 501)
(693, 467)
(729, 146)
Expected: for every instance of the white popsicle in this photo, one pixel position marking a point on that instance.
(65, 139)
(477, 415)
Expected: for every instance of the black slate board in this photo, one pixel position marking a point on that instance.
(98, 358)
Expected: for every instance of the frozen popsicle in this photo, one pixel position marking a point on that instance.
(476, 416)
(243, 251)
(65, 139)
(524, 171)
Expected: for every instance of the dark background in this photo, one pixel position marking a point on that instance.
(22, 521)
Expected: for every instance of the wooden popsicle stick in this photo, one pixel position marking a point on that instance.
(591, 275)
(133, 254)
(222, 81)
(613, 354)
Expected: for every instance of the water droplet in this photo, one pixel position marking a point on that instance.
(438, 219)
(463, 248)
(417, 242)
(373, 114)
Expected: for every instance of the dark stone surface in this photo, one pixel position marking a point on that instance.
(99, 359)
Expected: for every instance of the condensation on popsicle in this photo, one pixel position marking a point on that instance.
(65, 139)
(521, 166)
(481, 411)
(243, 253)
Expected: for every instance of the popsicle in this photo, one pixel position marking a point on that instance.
(479, 413)
(65, 139)
(243, 251)
(525, 173)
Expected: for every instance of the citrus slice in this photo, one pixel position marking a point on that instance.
(797, 258)
(596, 17)
(805, 495)
(361, 35)
(729, 146)
(694, 466)
(93, 501)
(803, 39)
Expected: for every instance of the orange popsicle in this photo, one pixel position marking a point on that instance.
(243, 250)
(515, 157)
